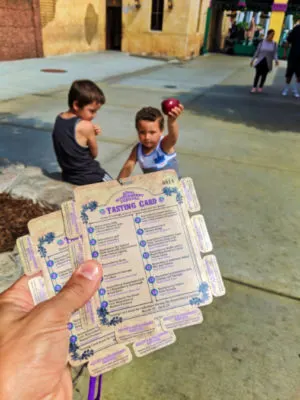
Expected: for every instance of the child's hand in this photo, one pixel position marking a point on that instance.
(97, 130)
(175, 113)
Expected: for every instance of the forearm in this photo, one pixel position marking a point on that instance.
(173, 130)
(126, 171)
(93, 147)
(276, 53)
(255, 56)
(94, 155)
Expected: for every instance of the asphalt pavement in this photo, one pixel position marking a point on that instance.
(242, 151)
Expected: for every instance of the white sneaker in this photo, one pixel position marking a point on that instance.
(285, 92)
(296, 94)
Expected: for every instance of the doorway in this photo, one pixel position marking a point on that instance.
(113, 24)
(216, 29)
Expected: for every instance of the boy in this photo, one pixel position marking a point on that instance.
(154, 152)
(74, 135)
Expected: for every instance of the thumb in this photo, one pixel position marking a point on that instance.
(79, 289)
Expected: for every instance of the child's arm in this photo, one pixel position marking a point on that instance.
(129, 165)
(256, 54)
(170, 140)
(86, 131)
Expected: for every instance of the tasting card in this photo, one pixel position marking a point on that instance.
(155, 250)
(49, 243)
(142, 234)
(53, 248)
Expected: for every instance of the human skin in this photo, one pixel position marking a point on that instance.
(34, 340)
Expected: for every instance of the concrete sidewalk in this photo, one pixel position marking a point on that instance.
(243, 153)
(22, 77)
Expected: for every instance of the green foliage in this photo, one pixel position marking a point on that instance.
(243, 25)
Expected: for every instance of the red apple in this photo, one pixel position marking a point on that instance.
(168, 104)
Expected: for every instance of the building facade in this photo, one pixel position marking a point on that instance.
(170, 28)
(163, 28)
(152, 27)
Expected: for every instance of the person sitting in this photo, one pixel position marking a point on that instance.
(74, 135)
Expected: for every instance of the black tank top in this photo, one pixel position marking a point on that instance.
(77, 164)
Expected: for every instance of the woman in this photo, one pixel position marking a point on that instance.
(263, 59)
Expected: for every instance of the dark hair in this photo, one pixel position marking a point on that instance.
(270, 31)
(150, 114)
(85, 92)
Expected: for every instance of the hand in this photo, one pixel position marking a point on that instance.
(251, 63)
(276, 63)
(97, 130)
(34, 340)
(175, 113)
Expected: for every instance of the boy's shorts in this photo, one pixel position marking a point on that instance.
(107, 177)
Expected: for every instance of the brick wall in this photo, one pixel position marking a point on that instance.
(20, 29)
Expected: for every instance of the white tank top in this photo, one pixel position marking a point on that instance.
(157, 160)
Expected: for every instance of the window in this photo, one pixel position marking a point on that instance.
(157, 15)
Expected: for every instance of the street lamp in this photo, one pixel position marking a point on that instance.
(137, 4)
(170, 5)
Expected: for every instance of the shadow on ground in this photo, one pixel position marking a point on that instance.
(28, 141)
(235, 104)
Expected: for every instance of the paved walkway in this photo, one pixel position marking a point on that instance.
(243, 154)
(23, 77)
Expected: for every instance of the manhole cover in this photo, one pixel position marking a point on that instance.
(54, 71)
(170, 86)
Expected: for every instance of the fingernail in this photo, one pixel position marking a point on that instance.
(89, 270)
